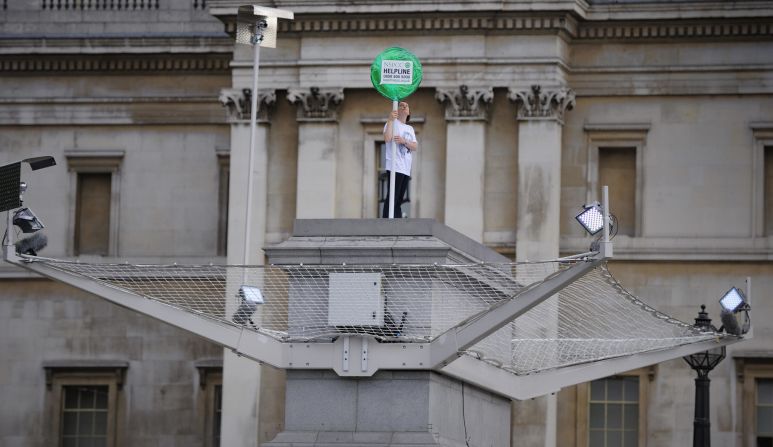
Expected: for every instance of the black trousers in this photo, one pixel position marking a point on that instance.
(401, 186)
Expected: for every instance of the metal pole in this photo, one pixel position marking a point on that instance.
(702, 426)
(9, 229)
(253, 126)
(391, 197)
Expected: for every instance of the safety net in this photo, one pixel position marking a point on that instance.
(591, 319)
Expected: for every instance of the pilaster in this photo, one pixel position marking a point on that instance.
(466, 114)
(242, 377)
(317, 149)
(540, 119)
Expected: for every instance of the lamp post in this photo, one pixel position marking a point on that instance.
(703, 363)
(255, 26)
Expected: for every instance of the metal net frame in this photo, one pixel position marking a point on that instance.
(594, 318)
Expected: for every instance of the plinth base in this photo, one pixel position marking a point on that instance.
(392, 408)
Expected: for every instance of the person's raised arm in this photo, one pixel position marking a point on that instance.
(388, 130)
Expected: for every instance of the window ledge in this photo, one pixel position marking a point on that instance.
(679, 248)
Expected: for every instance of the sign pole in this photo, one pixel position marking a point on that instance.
(391, 197)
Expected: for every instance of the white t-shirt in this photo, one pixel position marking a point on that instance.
(404, 156)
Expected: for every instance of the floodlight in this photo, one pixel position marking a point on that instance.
(258, 25)
(11, 186)
(251, 294)
(250, 298)
(733, 301)
(591, 218)
(25, 219)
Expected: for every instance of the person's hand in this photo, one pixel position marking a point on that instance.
(393, 115)
(399, 139)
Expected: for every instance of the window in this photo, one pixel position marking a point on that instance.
(764, 412)
(383, 182)
(762, 183)
(217, 414)
(84, 415)
(616, 159)
(92, 214)
(82, 402)
(768, 189)
(211, 384)
(756, 374)
(95, 186)
(617, 169)
(224, 176)
(611, 412)
(373, 167)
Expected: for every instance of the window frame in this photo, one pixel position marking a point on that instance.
(749, 369)
(62, 374)
(645, 375)
(622, 136)
(94, 162)
(763, 137)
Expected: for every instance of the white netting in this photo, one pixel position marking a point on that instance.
(591, 319)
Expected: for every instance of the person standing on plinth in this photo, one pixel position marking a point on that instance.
(398, 129)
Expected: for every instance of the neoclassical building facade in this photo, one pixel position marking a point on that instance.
(526, 109)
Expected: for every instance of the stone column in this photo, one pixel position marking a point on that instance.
(242, 377)
(317, 148)
(540, 123)
(466, 115)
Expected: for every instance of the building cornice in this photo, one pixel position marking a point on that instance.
(665, 22)
(204, 63)
(676, 29)
(114, 44)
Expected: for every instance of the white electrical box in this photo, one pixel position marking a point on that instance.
(355, 299)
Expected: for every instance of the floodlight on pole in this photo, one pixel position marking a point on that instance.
(256, 26)
(595, 217)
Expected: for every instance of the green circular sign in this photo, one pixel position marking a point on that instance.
(396, 73)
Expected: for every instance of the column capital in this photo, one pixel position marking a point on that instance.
(463, 103)
(536, 104)
(315, 104)
(238, 103)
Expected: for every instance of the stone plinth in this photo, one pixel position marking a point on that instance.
(391, 408)
(409, 408)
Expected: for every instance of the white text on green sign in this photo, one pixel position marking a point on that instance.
(396, 72)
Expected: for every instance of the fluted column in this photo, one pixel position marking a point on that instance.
(466, 115)
(241, 377)
(540, 122)
(317, 149)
